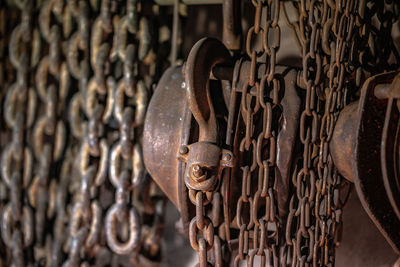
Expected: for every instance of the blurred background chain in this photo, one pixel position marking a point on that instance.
(76, 77)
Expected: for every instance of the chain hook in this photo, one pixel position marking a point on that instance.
(204, 56)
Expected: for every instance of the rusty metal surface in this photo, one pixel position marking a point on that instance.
(287, 137)
(362, 244)
(232, 30)
(205, 54)
(165, 125)
(368, 172)
(369, 163)
(390, 146)
(344, 141)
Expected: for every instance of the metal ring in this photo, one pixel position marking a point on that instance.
(134, 231)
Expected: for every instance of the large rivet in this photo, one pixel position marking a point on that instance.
(183, 150)
(226, 157)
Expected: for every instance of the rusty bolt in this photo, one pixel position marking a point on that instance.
(197, 171)
(183, 150)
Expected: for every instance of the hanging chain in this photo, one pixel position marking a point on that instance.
(124, 152)
(327, 33)
(17, 228)
(74, 111)
(260, 230)
(202, 223)
(315, 211)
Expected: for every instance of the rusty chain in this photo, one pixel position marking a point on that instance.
(310, 231)
(329, 34)
(259, 234)
(17, 226)
(315, 209)
(75, 93)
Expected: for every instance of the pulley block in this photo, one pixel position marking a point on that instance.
(365, 149)
(186, 144)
